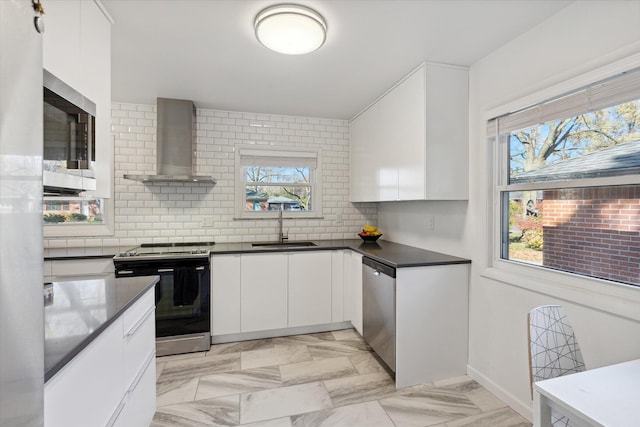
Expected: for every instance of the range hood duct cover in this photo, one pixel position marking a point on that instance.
(175, 152)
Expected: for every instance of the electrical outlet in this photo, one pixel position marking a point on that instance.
(207, 221)
(431, 222)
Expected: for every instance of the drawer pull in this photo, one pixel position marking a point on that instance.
(140, 321)
(117, 412)
(142, 371)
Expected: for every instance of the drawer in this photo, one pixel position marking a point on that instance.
(140, 404)
(139, 345)
(82, 267)
(138, 311)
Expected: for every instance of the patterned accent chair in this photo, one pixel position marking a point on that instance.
(553, 349)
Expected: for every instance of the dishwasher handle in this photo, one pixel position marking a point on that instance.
(379, 268)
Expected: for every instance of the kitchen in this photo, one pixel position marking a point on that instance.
(499, 300)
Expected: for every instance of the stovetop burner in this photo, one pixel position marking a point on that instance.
(168, 250)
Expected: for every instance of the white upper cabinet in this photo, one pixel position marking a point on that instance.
(77, 50)
(412, 143)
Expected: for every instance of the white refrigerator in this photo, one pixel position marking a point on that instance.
(21, 253)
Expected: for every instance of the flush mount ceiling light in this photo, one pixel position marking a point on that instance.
(291, 29)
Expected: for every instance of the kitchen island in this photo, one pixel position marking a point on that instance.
(99, 351)
(79, 310)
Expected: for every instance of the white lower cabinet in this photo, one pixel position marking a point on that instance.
(138, 409)
(353, 290)
(309, 299)
(112, 381)
(80, 267)
(259, 292)
(88, 391)
(432, 323)
(263, 292)
(338, 285)
(225, 294)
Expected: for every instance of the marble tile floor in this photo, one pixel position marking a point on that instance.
(327, 379)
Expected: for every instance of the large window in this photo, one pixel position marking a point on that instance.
(568, 182)
(272, 179)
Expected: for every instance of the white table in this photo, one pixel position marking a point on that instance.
(607, 396)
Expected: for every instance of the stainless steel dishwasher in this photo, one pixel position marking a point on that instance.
(379, 309)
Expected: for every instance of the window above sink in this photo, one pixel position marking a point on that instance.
(270, 178)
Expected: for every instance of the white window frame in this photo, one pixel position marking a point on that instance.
(278, 152)
(105, 229)
(609, 296)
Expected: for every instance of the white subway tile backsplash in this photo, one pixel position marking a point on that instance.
(169, 212)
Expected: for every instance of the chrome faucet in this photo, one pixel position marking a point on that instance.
(281, 236)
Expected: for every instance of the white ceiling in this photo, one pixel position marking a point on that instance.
(205, 50)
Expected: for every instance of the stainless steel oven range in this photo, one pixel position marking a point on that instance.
(183, 309)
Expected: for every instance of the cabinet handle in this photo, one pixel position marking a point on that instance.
(140, 321)
(200, 268)
(165, 270)
(376, 273)
(140, 373)
(125, 272)
(117, 412)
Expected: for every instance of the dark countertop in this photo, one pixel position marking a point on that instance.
(392, 254)
(53, 254)
(81, 310)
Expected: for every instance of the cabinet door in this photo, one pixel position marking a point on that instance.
(372, 177)
(447, 139)
(309, 288)
(432, 314)
(61, 41)
(353, 290)
(406, 118)
(263, 292)
(90, 388)
(95, 84)
(337, 285)
(225, 294)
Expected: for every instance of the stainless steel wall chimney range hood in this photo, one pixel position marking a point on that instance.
(175, 152)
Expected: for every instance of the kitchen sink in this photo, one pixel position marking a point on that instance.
(284, 244)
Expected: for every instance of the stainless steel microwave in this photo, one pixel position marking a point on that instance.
(69, 139)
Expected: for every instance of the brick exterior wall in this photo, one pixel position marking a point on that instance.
(594, 231)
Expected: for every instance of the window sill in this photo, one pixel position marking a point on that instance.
(615, 298)
(80, 230)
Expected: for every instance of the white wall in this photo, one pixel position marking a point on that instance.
(583, 37)
(170, 212)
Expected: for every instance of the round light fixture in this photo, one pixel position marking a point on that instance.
(291, 29)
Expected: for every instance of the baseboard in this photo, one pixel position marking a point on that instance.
(245, 336)
(523, 408)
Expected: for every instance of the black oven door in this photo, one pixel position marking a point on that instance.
(182, 294)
